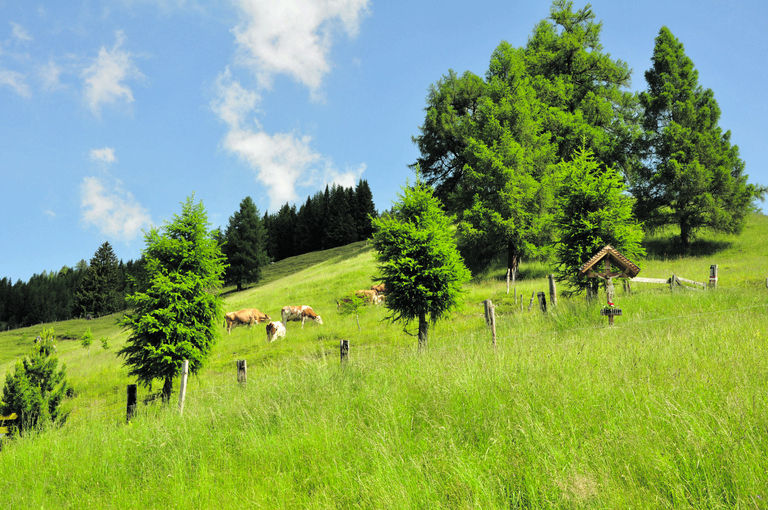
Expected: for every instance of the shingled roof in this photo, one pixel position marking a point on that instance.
(628, 268)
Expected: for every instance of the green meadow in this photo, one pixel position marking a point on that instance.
(666, 409)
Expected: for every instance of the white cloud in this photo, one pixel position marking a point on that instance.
(281, 161)
(233, 102)
(15, 81)
(50, 75)
(20, 32)
(105, 78)
(104, 155)
(347, 179)
(111, 209)
(293, 37)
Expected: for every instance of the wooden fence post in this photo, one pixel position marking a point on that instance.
(543, 302)
(242, 371)
(130, 409)
(490, 318)
(713, 276)
(183, 385)
(530, 304)
(552, 290)
(344, 350)
(509, 270)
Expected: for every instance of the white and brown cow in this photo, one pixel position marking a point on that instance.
(299, 313)
(247, 316)
(275, 329)
(379, 288)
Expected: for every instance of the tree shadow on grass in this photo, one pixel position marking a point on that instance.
(660, 249)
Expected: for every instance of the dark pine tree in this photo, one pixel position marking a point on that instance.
(245, 245)
(101, 290)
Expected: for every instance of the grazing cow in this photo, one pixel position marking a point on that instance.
(379, 288)
(370, 296)
(247, 316)
(275, 329)
(299, 313)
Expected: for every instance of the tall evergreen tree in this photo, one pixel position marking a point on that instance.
(418, 260)
(101, 289)
(490, 146)
(593, 210)
(245, 245)
(693, 176)
(339, 225)
(365, 209)
(177, 316)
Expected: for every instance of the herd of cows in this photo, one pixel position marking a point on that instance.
(276, 329)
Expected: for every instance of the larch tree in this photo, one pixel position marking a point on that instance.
(418, 260)
(177, 316)
(490, 146)
(692, 176)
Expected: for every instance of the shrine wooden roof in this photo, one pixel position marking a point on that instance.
(628, 268)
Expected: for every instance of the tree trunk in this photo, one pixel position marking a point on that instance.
(513, 258)
(685, 234)
(423, 330)
(167, 389)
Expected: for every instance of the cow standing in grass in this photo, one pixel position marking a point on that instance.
(299, 313)
(275, 329)
(248, 316)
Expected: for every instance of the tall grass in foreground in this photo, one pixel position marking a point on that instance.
(657, 415)
(666, 409)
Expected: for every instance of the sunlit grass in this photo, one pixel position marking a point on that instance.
(667, 408)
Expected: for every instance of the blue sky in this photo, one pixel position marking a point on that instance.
(114, 112)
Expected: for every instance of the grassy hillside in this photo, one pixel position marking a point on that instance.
(667, 408)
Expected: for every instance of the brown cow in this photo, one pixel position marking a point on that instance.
(370, 296)
(299, 313)
(247, 316)
(379, 288)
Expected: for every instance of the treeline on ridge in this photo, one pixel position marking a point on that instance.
(330, 218)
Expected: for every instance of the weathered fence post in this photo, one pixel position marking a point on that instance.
(713, 276)
(509, 270)
(344, 350)
(242, 371)
(530, 304)
(490, 319)
(552, 290)
(183, 385)
(543, 302)
(130, 409)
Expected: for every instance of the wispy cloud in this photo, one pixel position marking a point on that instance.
(50, 75)
(20, 33)
(105, 79)
(111, 209)
(103, 155)
(282, 162)
(15, 81)
(293, 37)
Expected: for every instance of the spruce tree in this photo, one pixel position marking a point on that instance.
(418, 260)
(365, 209)
(177, 316)
(101, 290)
(37, 386)
(593, 210)
(693, 176)
(245, 245)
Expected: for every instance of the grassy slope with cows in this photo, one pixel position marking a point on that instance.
(667, 408)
